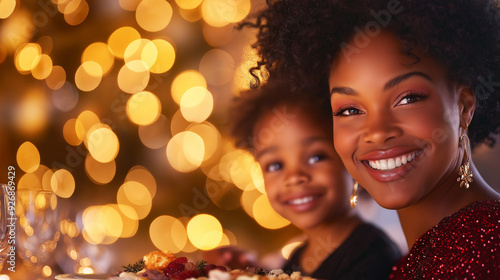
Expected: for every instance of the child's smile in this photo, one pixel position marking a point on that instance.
(305, 180)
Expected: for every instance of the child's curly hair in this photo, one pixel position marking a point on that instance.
(252, 105)
(299, 39)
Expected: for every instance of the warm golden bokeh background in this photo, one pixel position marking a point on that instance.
(114, 114)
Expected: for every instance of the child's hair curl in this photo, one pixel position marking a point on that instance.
(253, 104)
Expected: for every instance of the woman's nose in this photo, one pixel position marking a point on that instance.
(381, 127)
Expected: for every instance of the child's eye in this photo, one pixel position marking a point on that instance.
(350, 111)
(412, 97)
(314, 159)
(273, 167)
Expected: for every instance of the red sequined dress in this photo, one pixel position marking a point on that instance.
(464, 245)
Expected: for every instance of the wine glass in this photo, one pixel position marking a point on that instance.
(39, 233)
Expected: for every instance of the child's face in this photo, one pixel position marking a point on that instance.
(305, 179)
(397, 122)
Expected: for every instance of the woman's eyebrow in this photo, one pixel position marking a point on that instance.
(392, 83)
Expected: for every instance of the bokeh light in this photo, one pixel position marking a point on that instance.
(99, 52)
(288, 249)
(210, 135)
(184, 81)
(6, 8)
(65, 98)
(168, 233)
(248, 198)
(134, 200)
(204, 231)
(165, 56)
(119, 40)
(241, 169)
(70, 133)
(43, 68)
(141, 175)
(27, 57)
(153, 15)
(217, 66)
(76, 15)
(143, 108)
(28, 157)
(101, 224)
(188, 4)
(98, 172)
(32, 113)
(185, 151)
(133, 76)
(129, 5)
(56, 78)
(218, 36)
(84, 122)
(197, 104)
(137, 48)
(222, 12)
(103, 144)
(265, 215)
(62, 183)
(88, 76)
(29, 181)
(130, 220)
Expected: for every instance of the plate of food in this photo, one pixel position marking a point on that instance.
(158, 265)
(79, 276)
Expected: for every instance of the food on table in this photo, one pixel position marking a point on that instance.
(159, 265)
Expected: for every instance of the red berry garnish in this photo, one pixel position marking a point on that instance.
(220, 267)
(173, 268)
(182, 260)
(207, 268)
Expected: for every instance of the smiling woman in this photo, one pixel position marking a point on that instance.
(409, 83)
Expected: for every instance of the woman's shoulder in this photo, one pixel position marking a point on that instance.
(479, 217)
(470, 230)
(464, 243)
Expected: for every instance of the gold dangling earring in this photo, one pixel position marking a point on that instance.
(354, 195)
(465, 174)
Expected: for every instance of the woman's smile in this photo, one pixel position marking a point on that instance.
(392, 163)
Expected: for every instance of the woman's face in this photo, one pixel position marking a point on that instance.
(397, 121)
(305, 179)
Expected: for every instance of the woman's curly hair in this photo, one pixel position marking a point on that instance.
(299, 39)
(253, 104)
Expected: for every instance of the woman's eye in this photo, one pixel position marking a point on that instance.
(273, 167)
(348, 112)
(411, 98)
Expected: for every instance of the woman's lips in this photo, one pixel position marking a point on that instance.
(392, 168)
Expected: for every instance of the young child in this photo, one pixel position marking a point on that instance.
(290, 136)
(405, 80)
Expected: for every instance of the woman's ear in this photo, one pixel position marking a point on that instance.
(467, 101)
